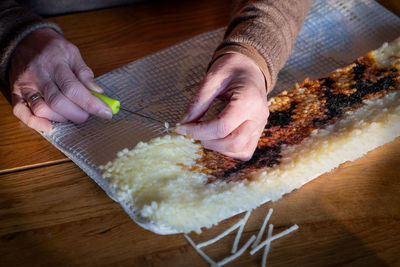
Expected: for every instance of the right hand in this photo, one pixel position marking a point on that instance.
(236, 130)
(45, 63)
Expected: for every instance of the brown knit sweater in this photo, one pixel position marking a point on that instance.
(264, 30)
(15, 24)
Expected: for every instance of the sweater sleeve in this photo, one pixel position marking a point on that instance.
(15, 24)
(265, 31)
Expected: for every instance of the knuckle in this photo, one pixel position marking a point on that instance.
(71, 90)
(238, 144)
(54, 99)
(260, 114)
(68, 48)
(221, 129)
(39, 109)
(246, 156)
(83, 118)
(47, 87)
(235, 147)
(16, 112)
(90, 106)
(85, 71)
(66, 84)
(58, 42)
(31, 122)
(71, 47)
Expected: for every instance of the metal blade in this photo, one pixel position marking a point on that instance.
(141, 115)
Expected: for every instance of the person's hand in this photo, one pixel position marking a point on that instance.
(236, 130)
(50, 81)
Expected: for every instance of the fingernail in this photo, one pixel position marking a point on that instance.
(95, 87)
(106, 113)
(181, 130)
(184, 119)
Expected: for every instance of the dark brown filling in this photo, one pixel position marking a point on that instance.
(281, 118)
(295, 115)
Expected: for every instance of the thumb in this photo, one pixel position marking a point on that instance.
(210, 88)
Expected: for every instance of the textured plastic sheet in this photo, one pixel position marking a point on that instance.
(160, 85)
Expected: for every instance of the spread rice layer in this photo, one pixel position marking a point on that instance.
(168, 186)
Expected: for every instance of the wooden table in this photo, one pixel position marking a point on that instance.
(51, 213)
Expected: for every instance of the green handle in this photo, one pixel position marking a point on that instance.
(112, 103)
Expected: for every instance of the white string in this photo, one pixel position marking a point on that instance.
(267, 246)
(261, 232)
(208, 259)
(283, 233)
(225, 233)
(237, 254)
(240, 231)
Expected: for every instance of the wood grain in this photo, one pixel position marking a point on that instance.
(56, 215)
(350, 216)
(392, 5)
(22, 147)
(108, 39)
(135, 31)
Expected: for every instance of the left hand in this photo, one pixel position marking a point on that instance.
(48, 68)
(236, 130)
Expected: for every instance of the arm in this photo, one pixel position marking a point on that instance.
(47, 76)
(265, 31)
(16, 23)
(244, 68)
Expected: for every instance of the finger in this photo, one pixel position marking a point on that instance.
(22, 111)
(40, 109)
(61, 104)
(211, 87)
(241, 143)
(241, 105)
(247, 154)
(84, 73)
(74, 90)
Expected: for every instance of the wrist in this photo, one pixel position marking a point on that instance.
(238, 63)
(244, 61)
(30, 47)
(39, 36)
